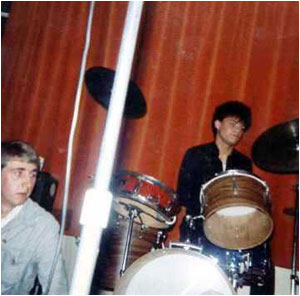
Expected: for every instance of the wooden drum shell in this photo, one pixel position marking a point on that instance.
(113, 246)
(234, 191)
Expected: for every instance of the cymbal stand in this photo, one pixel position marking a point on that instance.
(133, 213)
(294, 277)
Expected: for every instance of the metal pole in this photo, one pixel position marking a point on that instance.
(97, 202)
(294, 278)
(132, 214)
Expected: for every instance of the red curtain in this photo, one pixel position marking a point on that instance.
(191, 56)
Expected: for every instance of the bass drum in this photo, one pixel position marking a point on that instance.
(173, 272)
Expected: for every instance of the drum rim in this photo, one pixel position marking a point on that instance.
(163, 212)
(148, 178)
(259, 242)
(249, 246)
(160, 210)
(235, 173)
(138, 264)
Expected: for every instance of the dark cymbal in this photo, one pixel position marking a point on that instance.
(277, 149)
(99, 82)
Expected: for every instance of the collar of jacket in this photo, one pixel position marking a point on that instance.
(215, 150)
(26, 218)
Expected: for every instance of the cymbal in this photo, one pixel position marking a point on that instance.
(277, 149)
(99, 82)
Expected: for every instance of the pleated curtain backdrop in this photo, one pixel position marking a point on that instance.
(190, 57)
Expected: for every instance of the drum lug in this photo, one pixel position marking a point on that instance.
(235, 186)
(142, 230)
(202, 201)
(161, 236)
(152, 198)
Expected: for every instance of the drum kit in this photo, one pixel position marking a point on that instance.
(235, 210)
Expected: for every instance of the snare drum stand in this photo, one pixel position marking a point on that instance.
(294, 277)
(133, 213)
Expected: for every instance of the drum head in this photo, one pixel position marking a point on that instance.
(174, 272)
(147, 215)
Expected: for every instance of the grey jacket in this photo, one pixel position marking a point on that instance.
(27, 250)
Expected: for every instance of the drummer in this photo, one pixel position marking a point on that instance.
(201, 163)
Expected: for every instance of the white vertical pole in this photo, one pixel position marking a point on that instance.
(97, 202)
(119, 91)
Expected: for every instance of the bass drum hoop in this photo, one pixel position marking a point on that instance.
(205, 277)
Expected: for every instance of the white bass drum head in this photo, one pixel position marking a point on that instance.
(174, 272)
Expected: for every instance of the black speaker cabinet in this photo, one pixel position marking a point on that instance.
(45, 190)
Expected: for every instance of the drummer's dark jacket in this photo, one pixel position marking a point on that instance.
(199, 165)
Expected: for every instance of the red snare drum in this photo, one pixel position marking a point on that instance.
(157, 203)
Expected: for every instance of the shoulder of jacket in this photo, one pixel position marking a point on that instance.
(242, 156)
(200, 147)
(36, 214)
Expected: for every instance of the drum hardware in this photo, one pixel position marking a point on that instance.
(153, 199)
(190, 220)
(160, 238)
(191, 227)
(246, 263)
(239, 266)
(242, 267)
(185, 246)
(135, 188)
(171, 221)
(235, 186)
(235, 268)
(294, 277)
(133, 213)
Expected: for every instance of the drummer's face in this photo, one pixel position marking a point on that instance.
(230, 130)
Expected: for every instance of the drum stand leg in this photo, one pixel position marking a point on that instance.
(234, 282)
(294, 277)
(132, 214)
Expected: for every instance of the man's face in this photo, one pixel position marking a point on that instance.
(17, 179)
(230, 130)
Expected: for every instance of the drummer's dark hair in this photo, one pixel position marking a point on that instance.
(232, 108)
(18, 149)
